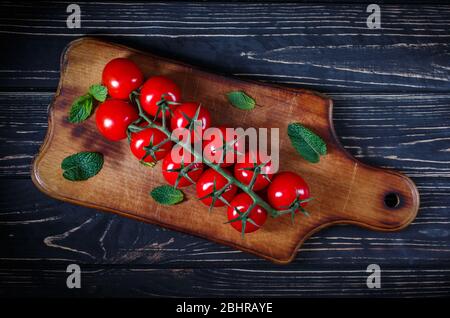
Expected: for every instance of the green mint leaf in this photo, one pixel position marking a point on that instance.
(167, 195)
(82, 165)
(241, 100)
(99, 92)
(81, 109)
(309, 145)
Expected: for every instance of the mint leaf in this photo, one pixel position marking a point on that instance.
(82, 165)
(309, 145)
(241, 100)
(81, 109)
(167, 195)
(99, 92)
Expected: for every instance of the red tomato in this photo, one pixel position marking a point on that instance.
(285, 188)
(184, 115)
(205, 186)
(143, 144)
(244, 173)
(213, 148)
(241, 203)
(171, 171)
(121, 76)
(113, 117)
(153, 90)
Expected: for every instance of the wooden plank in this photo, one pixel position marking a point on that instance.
(49, 231)
(358, 119)
(23, 125)
(324, 47)
(397, 131)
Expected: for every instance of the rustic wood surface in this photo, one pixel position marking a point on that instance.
(395, 117)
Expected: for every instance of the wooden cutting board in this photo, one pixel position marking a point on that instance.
(345, 190)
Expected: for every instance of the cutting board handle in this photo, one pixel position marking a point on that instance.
(380, 199)
(376, 198)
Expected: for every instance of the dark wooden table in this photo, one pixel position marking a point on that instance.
(392, 109)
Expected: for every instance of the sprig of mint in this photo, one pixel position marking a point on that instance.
(82, 107)
(82, 166)
(241, 100)
(309, 145)
(167, 195)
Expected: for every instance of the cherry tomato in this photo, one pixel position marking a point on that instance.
(156, 88)
(241, 203)
(213, 148)
(143, 144)
(205, 186)
(113, 117)
(171, 171)
(285, 188)
(244, 171)
(184, 115)
(121, 76)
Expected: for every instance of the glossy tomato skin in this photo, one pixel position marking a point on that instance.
(121, 76)
(154, 89)
(143, 138)
(113, 117)
(184, 110)
(245, 176)
(168, 165)
(205, 186)
(242, 202)
(285, 188)
(213, 148)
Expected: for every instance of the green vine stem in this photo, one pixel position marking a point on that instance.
(257, 200)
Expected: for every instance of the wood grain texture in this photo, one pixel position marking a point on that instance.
(319, 46)
(402, 124)
(222, 282)
(360, 120)
(52, 232)
(405, 132)
(150, 261)
(346, 191)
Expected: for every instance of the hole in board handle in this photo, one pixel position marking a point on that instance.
(392, 200)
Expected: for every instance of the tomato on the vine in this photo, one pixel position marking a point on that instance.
(172, 169)
(213, 148)
(285, 188)
(113, 117)
(185, 115)
(244, 171)
(210, 180)
(121, 76)
(149, 145)
(158, 89)
(239, 205)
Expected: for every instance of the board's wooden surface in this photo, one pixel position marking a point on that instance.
(345, 190)
(396, 120)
